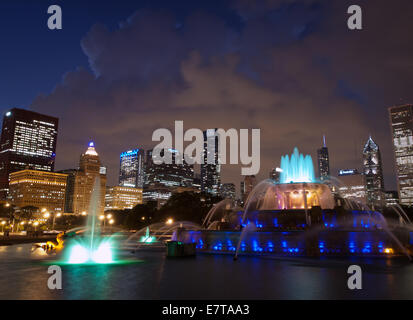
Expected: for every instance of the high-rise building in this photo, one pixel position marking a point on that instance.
(210, 169)
(228, 191)
(28, 141)
(41, 189)
(353, 185)
(392, 198)
(249, 183)
(120, 198)
(90, 169)
(168, 174)
(373, 172)
(323, 161)
(401, 122)
(131, 173)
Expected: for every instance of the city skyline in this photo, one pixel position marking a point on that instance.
(273, 87)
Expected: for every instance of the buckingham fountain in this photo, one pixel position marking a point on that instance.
(297, 216)
(300, 216)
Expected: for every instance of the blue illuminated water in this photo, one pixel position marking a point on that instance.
(298, 168)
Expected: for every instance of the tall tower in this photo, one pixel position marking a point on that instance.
(131, 172)
(401, 123)
(373, 171)
(28, 141)
(210, 169)
(90, 169)
(323, 161)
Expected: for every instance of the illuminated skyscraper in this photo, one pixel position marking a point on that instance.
(120, 198)
(353, 185)
(131, 173)
(168, 174)
(323, 161)
(373, 172)
(28, 140)
(401, 122)
(90, 169)
(210, 169)
(39, 189)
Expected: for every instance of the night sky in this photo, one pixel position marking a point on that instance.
(121, 69)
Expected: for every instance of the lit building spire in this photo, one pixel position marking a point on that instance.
(91, 149)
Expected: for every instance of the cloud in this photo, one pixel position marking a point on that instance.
(293, 70)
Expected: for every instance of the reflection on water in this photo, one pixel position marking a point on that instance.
(203, 277)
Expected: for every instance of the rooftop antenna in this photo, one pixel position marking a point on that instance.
(324, 141)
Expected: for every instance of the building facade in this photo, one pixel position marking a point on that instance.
(132, 171)
(401, 123)
(373, 172)
(168, 174)
(353, 185)
(392, 198)
(28, 141)
(41, 189)
(121, 198)
(90, 176)
(323, 161)
(211, 168)
(228, 191)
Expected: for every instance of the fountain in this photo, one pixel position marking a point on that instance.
(91, 247)
(300, 216)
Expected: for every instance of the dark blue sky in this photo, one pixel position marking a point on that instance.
(33, 58)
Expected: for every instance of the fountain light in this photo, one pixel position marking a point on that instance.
(297, 168)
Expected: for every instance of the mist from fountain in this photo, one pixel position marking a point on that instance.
(91, 248)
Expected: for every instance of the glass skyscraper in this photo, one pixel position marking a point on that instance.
(401, 122)
(323, 161)
(210, 172)
(373, 171)
(131, 173)
(168, 175)
(28, 140)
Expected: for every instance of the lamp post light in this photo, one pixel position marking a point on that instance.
(2, 225)
(36, 223)
(170, 221)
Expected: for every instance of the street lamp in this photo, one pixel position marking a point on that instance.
(170, 221)
(36, 223)
(2, 225)
(84, 213)
(111, 221)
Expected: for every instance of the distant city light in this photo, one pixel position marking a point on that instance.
(169, 221)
